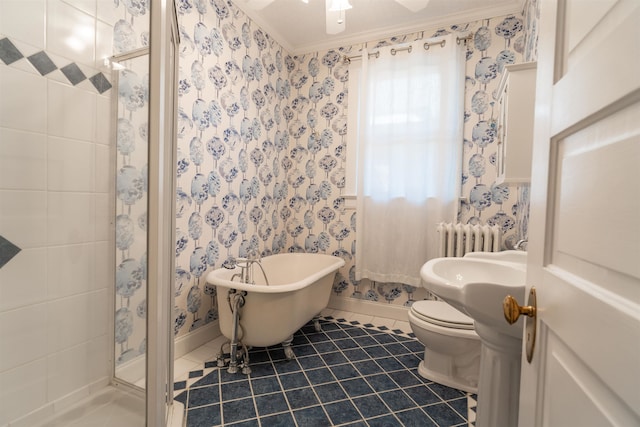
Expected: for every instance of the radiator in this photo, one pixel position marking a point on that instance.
(455, 240)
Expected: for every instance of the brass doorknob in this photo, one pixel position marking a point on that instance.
(513, 310)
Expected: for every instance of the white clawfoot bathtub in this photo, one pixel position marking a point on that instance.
(299, 288)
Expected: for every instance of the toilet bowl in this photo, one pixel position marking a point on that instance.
(452, 347)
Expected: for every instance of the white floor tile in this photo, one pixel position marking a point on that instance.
(403, 326)
(362, 318)
(339, 314)
(383, 321)
(182, 366)
(327, 312)
(202, 354)
(216, 343)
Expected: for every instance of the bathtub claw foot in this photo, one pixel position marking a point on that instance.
(220, 360)
(288, 351)
(316, 323)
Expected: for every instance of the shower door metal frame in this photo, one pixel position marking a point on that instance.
(163, 72)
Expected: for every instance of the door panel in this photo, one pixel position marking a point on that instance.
(585, 207)
(584, 236)
(601, 71)
(583, 17)
(597, 407)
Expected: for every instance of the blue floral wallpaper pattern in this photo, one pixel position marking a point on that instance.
(262, 145)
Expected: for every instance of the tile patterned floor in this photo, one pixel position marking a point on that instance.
(350, 374)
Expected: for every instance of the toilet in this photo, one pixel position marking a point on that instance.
(452, 347)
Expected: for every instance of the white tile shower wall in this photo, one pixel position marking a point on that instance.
(24, 100)
(24, 390)
(25, 340)
(24, 280)
(24, 20)
(23, 218)
(70, 218)
(77, 119)
(23, 160)
(70, 32)
(54, 198)
(70, 165)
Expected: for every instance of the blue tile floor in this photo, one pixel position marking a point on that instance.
(347, 375)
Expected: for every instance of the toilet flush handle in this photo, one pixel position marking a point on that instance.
(513, 310)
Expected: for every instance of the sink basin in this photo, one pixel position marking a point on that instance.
(519, 257)
(477, 285)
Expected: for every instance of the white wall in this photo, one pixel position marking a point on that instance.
(56, 203)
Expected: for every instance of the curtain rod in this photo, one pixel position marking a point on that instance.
(459, 40)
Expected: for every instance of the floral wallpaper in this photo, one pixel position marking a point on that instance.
(491, 48)
(262, 145)
(238, 176)
(531, 13)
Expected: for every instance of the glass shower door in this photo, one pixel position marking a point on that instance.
(132, 112)
(145, 111)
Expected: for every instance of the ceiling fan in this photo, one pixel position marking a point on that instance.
(335, 10)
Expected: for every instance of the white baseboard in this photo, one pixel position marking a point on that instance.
(353, 305)
(192, 340)
(134, 370)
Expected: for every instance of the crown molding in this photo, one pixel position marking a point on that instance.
(271, 31)
(387, 32)
(336, 41)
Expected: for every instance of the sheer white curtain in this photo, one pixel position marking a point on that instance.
(409, 154)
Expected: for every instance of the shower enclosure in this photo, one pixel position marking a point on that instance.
(144, 106)
(71, 286)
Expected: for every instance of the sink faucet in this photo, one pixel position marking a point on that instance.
(521, 245)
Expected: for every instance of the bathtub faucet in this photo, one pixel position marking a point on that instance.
(246, 272)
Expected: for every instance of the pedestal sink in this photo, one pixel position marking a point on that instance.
(476, 285)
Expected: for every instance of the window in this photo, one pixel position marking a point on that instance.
(408, 112)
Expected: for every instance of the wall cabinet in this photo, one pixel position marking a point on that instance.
(516, 96)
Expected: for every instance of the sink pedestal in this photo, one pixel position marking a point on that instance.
(477, 287)
(499, 382)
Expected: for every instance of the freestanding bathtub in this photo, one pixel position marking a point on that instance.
(299, 288)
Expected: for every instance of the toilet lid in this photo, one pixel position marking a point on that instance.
(442, 314)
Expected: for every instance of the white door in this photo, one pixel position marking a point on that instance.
(584, 235)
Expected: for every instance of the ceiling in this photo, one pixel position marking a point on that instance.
(300, 27)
